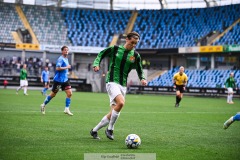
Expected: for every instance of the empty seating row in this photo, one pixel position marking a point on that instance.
(184, 27)
(9, 21)
(94, 27)
(198, 78)
(48, 24)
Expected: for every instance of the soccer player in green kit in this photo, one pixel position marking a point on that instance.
(122, 60)
(230, 84)
(23, 80)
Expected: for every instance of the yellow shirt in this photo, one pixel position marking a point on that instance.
(180, 79)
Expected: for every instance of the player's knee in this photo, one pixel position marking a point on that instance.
(121, 103)
(69, 94)
(53, 94)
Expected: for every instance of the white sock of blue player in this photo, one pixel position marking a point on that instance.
(104, 122)
(113, 119)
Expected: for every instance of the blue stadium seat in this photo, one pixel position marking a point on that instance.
(198, 78)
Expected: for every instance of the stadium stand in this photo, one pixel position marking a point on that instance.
(48, 24)
(94, 27)
(231, 37)
(183, 27)
(158, 28)
(78, 27)
(9, 22)
(214, 78)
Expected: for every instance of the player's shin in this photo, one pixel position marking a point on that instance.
(178, 99)
(47, 100)
(25, 90)
(113, 119)
(236, 117)
(104, 122)
(68, 102)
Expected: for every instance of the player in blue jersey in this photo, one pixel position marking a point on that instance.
(45, 79)
(60, 80)
(231, 120)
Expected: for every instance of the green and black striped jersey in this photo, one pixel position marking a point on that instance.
(23, 74)
(122, 61)
(230, 83)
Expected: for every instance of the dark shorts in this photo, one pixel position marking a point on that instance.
(46, 83)
(180, 88)
(63, 85)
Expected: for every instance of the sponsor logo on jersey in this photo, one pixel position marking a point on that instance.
(132, 59)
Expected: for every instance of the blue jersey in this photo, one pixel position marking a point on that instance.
(45, 76)
(61, 76)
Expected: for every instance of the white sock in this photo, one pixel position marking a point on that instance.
(231, 96)
(25, 90)
(104, 122)
(228, 98)
(19, 88)
(113, 119)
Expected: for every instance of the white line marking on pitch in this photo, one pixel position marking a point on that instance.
(95, 112)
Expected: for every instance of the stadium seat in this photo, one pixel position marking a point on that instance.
(198, 78)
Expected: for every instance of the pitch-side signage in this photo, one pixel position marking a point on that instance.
(75, 49)
(231, 48)
(207, 49)
(188, 50)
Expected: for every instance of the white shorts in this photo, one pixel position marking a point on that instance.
(23, 83)
(114, 90)
(230, 90)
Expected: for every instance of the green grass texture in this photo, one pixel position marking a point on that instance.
(194, 131)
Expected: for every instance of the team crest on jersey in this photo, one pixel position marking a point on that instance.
(132, 59)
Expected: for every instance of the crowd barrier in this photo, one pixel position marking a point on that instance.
(78, 84)
(189, 90)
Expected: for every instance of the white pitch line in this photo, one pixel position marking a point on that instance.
(95, 112)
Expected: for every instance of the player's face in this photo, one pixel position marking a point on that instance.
(65, 52)
(181, 70)
(131, 43)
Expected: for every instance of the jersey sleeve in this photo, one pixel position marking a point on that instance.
(139, 68)
(226, 83)
(186, 78)
(175, 77)
(59, 63)
(234, 84)
(106, 52)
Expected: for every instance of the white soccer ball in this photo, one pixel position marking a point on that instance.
(133, 141)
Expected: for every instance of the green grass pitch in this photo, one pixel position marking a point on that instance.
(193, 131)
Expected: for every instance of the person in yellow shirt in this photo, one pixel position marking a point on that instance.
(180, 81)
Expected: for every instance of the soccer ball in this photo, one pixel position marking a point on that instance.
(133, 141)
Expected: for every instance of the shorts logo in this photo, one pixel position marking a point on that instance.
(67, 87)
(132, 59)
